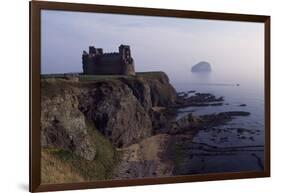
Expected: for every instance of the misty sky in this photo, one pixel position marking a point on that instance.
(171, 45)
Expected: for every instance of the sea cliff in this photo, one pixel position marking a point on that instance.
(78, 111)
(97, 127)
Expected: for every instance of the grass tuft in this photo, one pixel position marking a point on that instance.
(61, 166)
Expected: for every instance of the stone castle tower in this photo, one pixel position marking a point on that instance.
(117, 63)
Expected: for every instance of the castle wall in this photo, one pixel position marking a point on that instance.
(109, 64)
(99, 63)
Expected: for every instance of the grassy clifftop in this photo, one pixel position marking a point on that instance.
(66, 167)
(85, 77)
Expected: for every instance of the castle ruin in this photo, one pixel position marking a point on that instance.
(117, 63)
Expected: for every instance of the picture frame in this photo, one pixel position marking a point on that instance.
(35, 93)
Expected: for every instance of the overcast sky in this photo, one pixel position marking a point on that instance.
(172, 45)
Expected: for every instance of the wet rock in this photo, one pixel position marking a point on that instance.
(223, 139)
(190, 122)
(234, 113)
(199, 99)
(241, 130)
(185, 124)
(221, 118)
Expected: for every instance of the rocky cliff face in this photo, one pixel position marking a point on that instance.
(62, 124)
(120, 108)
(115, 111)
(122, 127)
(162, 93)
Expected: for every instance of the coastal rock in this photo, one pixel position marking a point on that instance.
(115, 111)
(201, 67)
(136, 116)
(62, 124)
(161, 118)
(155, 93)
(162, 93)
(145, 159)
(199, 99)
(191, 123)
(185, 124)
(221, 118)
(124, 110)
(121, 108)
(141, 90)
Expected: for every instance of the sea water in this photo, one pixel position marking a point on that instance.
(228, 148)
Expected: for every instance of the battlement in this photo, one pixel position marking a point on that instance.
(98, 62)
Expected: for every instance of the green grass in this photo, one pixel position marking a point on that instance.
(151, 73)
(178, 157)
(107, 158)
(85, 77)
(54, 84)
(101, 168)
(103, 77)
(55, 170)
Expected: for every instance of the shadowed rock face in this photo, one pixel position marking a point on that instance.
(162, 92)
(153, 90)
(116, 112)
(120, 108)
(201, 67)
(63, 125)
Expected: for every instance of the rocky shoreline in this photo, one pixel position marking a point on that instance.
(135, 116)
(192, 98)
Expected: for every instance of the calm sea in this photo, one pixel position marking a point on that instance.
(238, 145)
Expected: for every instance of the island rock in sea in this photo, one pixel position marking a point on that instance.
(201, 67)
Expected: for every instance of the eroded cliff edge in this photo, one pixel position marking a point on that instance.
(122, 127)
(90, 121)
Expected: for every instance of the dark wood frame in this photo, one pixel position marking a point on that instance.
(35, 147)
